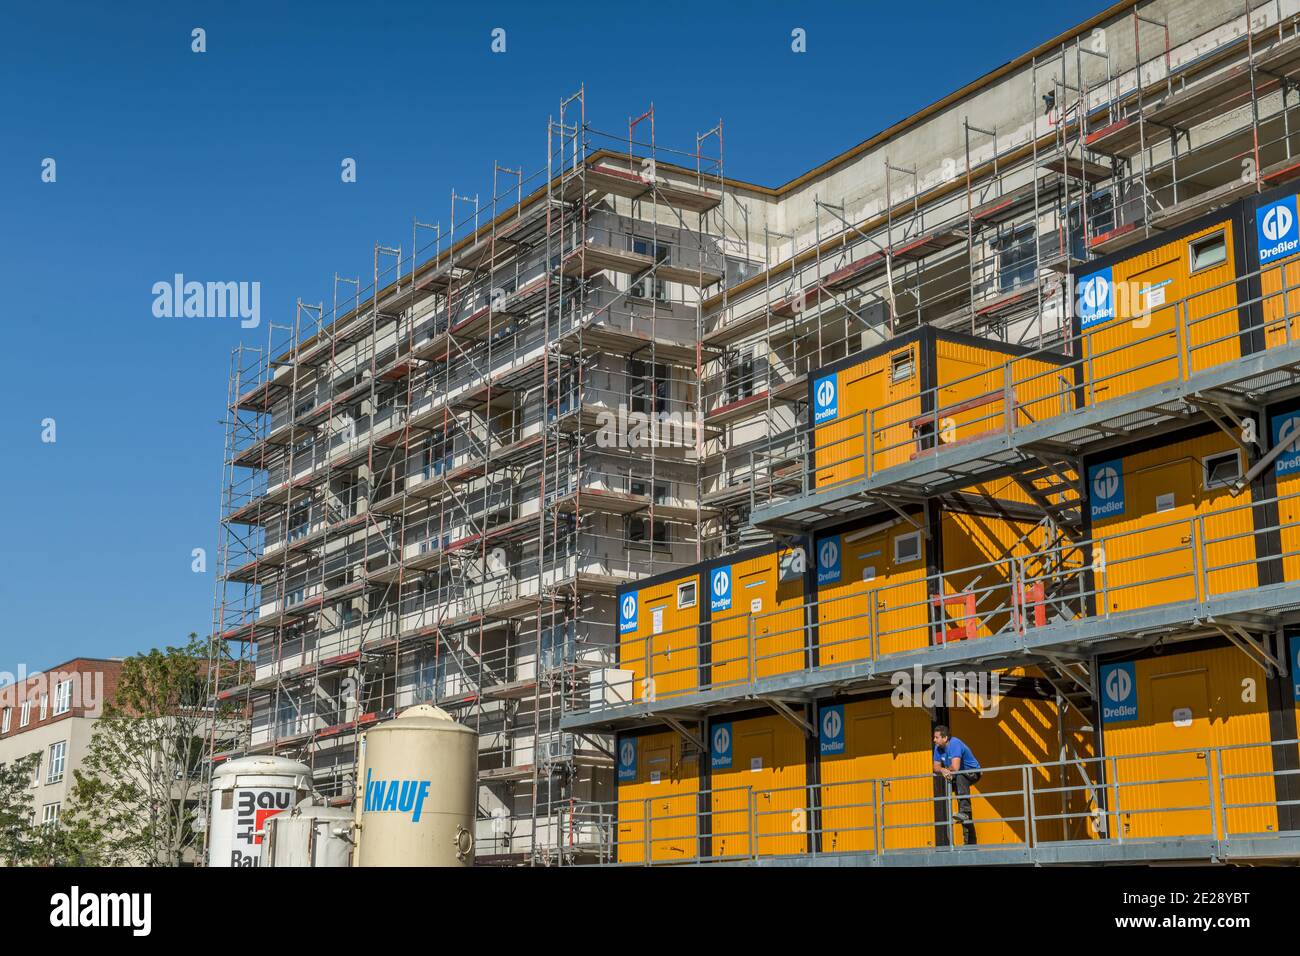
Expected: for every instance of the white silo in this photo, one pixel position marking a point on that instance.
(245, 793)
(311, 834)
(417, 796)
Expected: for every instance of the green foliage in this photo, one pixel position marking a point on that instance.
(17, 836)
(140, 784)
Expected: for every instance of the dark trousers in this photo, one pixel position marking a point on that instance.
(961, 783)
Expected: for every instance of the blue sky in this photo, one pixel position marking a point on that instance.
(225, 165)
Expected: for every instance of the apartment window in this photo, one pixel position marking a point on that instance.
(299, 522)
(287, 716)
(45, 706)
(36, 771)
(25, 714)
(62, 697)
(1208, 251)
(647, 379)
(294, 597)
(558, 645)
(642, 289)
(686, 594)
(907, 547)
(430, 675)
(740, 378)
(562, 396)
(5, 720)
(50, 814)
(1221, 470)
(1017, 258)
(58, 757)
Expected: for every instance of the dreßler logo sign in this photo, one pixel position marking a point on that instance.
(1284, 433)
(1106, 488)
(826, 405)
(1119, 693)
(1096, 298)
(627, 759)
(832, 729)
(1277, 230)
(720, 747)
(627, 615)
(828, 560)
(720, 589)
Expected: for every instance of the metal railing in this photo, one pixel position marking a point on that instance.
(1174, 342)
(1175, 563)
(1217, 793)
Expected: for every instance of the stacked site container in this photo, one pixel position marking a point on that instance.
(901, 399)
(1167, 519)
(719, 623)
(1164, 710)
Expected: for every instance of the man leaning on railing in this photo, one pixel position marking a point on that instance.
(955, 762)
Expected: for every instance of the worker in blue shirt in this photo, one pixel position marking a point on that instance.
(954, 762)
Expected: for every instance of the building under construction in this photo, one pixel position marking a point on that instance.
(659, 480)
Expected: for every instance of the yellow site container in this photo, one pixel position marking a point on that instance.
(759, 772)
(660, 633)
(658, 797)
(877, 788)
(1162, 310)
(928, 387)
(1165, 524)
(871, 588)
(1286, 489)
(756, 602)
(1180, 704)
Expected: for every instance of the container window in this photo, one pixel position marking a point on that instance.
(1222, 470)
(907, 547)
(686, 594)
(1209, 251)
(901, 366)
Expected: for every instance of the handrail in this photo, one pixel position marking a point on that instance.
(1028, 805)
(1182, 560)
(863, 444)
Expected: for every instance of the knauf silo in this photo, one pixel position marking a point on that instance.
(245, 794)
(417, 796)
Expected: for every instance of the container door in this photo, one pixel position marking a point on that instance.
(1170, 795)
(846, 613)
(772, 609)
(673, 795)
(1149, 557)
(886, 758)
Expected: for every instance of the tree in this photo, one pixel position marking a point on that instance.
(139, 786)
(17, 836)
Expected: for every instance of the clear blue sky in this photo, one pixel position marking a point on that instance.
(225, 166)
